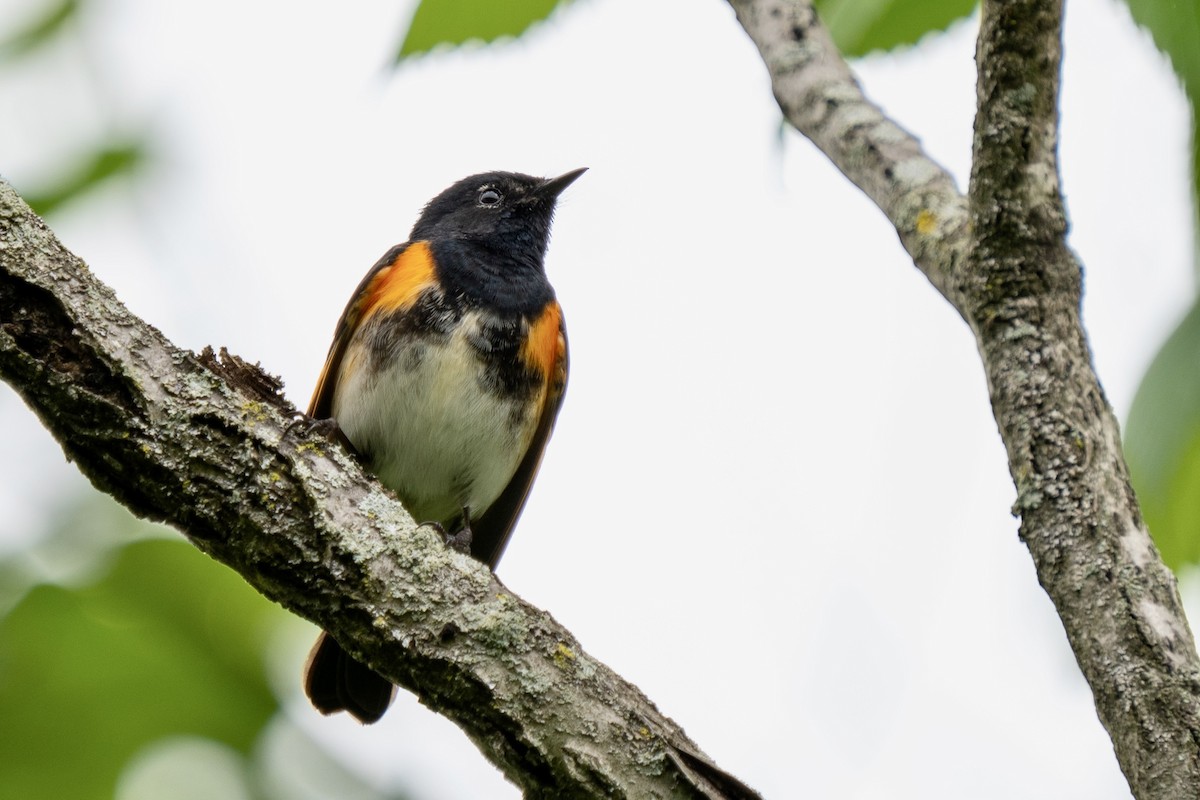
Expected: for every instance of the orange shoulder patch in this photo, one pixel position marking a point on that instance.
(545, 347)
(396, 287)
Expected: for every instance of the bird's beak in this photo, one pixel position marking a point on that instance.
(553, 187)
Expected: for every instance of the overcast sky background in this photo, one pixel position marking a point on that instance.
(776, 499)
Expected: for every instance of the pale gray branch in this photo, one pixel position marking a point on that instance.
(821, 98)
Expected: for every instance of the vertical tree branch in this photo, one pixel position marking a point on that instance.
(1118, 602)
(1013, 279)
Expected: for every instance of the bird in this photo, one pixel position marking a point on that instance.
(445, 377)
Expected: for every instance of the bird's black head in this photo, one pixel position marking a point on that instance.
(506, 212)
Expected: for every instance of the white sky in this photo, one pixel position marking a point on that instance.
(776, 500)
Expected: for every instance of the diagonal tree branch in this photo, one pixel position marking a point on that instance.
(821, 98)
(1000, 257)
(204, 444)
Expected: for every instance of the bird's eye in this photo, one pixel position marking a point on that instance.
(489, 197)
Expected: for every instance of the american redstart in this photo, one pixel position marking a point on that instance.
(446, 374)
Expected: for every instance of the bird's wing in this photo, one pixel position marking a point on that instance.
(334, 681)
(392, 285)
(545, 350)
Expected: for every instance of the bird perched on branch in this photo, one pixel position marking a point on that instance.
(446, 374)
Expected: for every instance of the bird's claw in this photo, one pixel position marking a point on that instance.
(459, 541)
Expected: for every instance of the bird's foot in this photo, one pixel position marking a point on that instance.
(460, 540)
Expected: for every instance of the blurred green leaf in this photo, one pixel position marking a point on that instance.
(82, 538)
(106, 162)
(454, 22)
(167, 643)
(860, 26)
(1162, 444)
(40, 30)
(1162, 436)
(1175, 27)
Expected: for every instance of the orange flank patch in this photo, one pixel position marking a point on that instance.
(396, 287)
(545, 346)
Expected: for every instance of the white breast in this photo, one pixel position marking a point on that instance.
(433, 433)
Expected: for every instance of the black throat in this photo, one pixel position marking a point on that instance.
(506, 279)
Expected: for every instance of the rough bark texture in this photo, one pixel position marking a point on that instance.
(1000, 257)
(207, 444)
(1118, 602)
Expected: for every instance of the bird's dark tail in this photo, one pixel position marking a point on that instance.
(336, 682)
